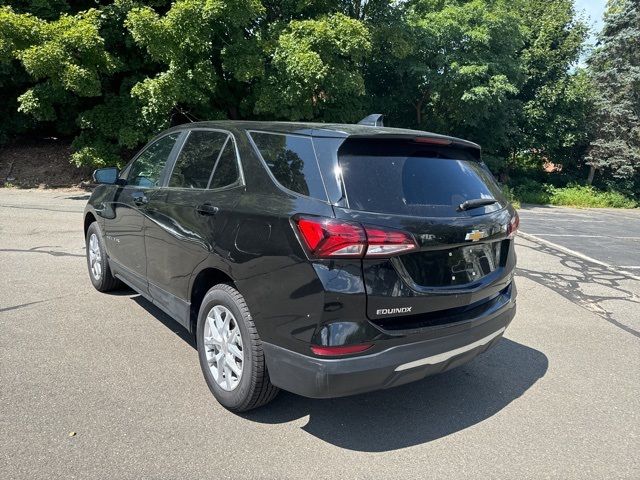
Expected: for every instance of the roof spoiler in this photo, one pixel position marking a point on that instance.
(373, 120)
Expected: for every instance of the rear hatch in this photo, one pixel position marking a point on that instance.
(464, 257)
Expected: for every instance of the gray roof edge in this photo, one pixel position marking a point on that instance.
(339, 130)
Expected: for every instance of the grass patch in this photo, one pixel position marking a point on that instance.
(585, 196)
(572, 195)
(510, 195)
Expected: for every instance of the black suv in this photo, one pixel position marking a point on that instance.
(323, 259)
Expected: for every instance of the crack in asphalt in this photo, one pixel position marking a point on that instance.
(28, 304)
(53, 253)
(22, 305)
(22, 207)
(569, 285)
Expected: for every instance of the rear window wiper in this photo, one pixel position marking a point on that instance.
(475, 203)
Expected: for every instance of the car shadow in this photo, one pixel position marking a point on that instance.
(531, 206)
(575, 282)
(162, 317)
(83, 197)
(420, 412)
(408, 415)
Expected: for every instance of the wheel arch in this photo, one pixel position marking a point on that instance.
(202, 282)
(89, 218)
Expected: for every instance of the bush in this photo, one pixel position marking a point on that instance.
(530, 191)
(510, 195)
(586, 196)
(573, 195)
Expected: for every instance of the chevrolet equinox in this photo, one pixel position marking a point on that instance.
(323, 259)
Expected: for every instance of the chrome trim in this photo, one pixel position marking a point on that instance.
(441, 357)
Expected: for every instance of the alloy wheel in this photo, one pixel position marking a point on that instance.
(95, 257)
(223, 347)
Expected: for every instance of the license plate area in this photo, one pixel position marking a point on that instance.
(453, 267)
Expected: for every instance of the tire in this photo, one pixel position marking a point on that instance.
(97, 262)
(252, 388)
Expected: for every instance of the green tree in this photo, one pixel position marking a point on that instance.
(314, 71)
(555, 98)
(499, 72)
(17, 32)
(82, 68)
(453, 68)
(207, 57)
(64, 58)
(615, 69)
(43, 9)
(113, 124)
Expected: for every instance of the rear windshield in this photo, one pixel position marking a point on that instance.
(407, 178)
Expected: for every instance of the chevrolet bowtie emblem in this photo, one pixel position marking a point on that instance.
(475, 235)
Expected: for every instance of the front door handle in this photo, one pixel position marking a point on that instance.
(139, 198)
(207, 209)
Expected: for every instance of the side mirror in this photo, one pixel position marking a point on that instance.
(108, 175)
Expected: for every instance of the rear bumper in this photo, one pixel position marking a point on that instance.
(325, 378)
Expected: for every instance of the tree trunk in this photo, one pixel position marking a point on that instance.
(418, 106)
(356, 9)
(232, 111)
(592, 172)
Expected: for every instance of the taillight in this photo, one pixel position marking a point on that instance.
(340, 350)
(333, 238)
(513, 226)
(327, 237)
(387, 242)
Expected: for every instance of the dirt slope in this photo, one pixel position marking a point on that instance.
(40, 164)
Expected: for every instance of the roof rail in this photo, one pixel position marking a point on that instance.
(373, 120)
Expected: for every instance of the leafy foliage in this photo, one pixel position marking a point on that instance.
(573, 195)
(556, 100)
(313, 72)
(455, 70)
(502, 73)
(191, 43)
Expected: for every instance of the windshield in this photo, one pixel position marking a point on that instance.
(406, 178)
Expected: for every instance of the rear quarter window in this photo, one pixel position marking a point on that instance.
(197, 159)
(292, 162)
(226, 170)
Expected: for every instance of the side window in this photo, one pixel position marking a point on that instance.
(292, 162)
(147, 168)
(226, 172)
(197, 159)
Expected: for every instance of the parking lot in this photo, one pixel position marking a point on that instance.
(107, 386)
(605, 235)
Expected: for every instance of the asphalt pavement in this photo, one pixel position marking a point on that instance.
(106, 386)
(607, 235)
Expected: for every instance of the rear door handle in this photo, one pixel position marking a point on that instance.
(139, 198)
(207, 209)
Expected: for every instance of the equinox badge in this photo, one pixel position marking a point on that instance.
(475, 235)
(390, 311)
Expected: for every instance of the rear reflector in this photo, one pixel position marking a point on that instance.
(340, 350)
(514, 224)
(333, 238)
